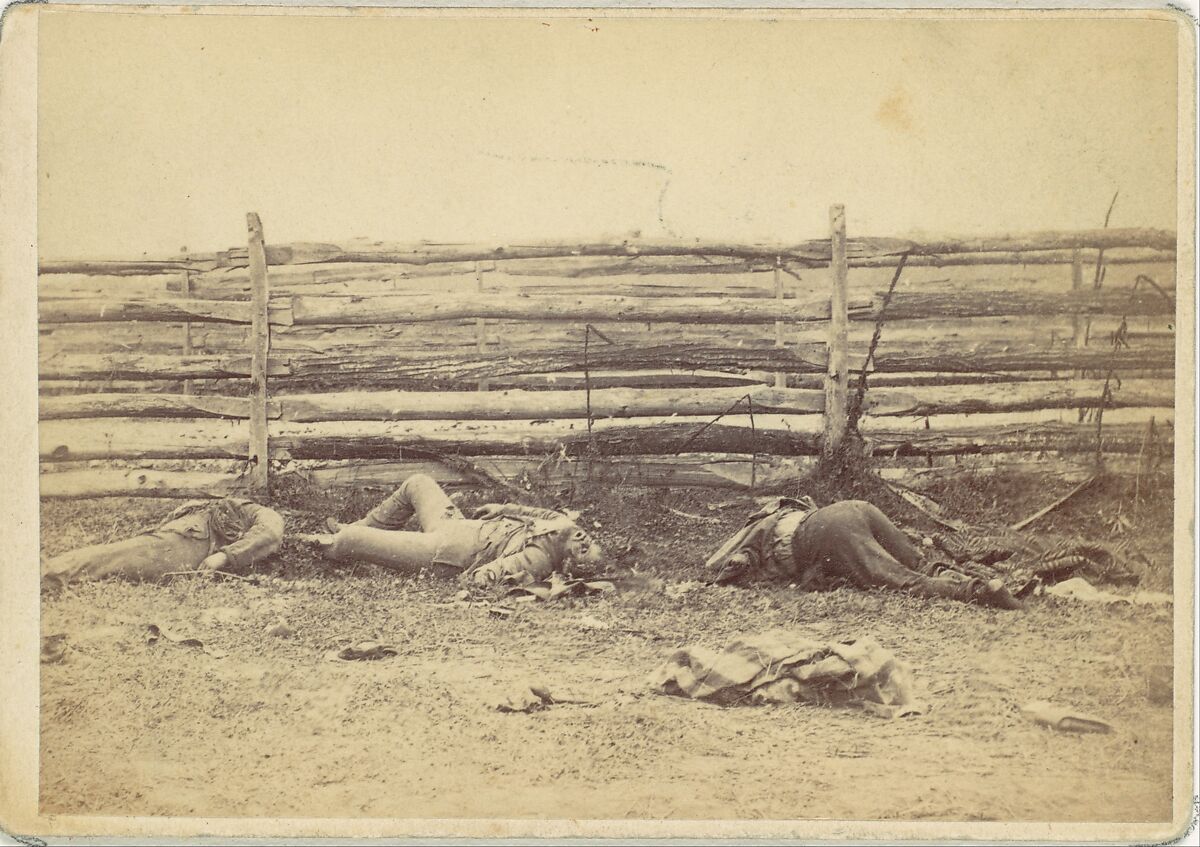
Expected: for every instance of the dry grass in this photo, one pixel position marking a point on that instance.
(274, 728)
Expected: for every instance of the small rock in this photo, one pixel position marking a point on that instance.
(1160, 685)
(280, 630)
(220, 615)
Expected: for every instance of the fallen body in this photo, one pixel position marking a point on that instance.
(198, 536)
(850, 542)
(502, 542)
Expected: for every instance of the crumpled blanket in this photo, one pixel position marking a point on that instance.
(781, 666)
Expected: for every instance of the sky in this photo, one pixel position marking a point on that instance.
(158, 132)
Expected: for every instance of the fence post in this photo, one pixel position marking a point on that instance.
(780, 376)
(837, 373)
(186, 293)
(260, 345)
(1079, 328)
(480, 328)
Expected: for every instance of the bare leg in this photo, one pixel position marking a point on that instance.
(418, 495)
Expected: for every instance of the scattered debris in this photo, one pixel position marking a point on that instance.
(925, 506)
(689, 516)
(221, 615)
(558, 586)
(362, 652)
(1087, 483)
(892, 711)
(1160, 684)
(675, 590)
(155, 634)
(54, 648)
(1078, 588)
(521, 700)
(252, 580)
(533, 698)
(280, 629)
(1063, 719)
(786, 667)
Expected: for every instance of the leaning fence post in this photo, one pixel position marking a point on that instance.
(837, 373)
(260, 345)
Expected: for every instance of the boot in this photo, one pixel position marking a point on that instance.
(993, 593)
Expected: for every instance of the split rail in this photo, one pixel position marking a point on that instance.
(648, 362)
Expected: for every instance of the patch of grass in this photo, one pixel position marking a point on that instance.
(1134, 517)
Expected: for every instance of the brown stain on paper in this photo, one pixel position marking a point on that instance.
(895, 112)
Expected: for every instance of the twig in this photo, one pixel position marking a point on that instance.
(1099, 277)
(463, 466)
(211, 573)
(914, 500)
(753, 444)
(1048, 509)
(856, 406)
(687, 442)
(689, 515)
(1143, 278)
(1117, 341)
(1100, 254)
(790, 273)
(1137, 479)
(1105, 397)
(587, 379)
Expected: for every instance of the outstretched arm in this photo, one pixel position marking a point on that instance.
(260, 540)
(528, 565)
(514, 510)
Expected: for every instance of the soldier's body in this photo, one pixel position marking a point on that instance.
(850, 542)
(500, 542)
(203, 535)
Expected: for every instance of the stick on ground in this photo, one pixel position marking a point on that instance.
(1047, 510)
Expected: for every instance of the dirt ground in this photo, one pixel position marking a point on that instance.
(263, 725)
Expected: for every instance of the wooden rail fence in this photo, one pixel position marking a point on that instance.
(231, 357)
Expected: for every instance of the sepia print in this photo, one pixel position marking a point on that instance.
(600, 423)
